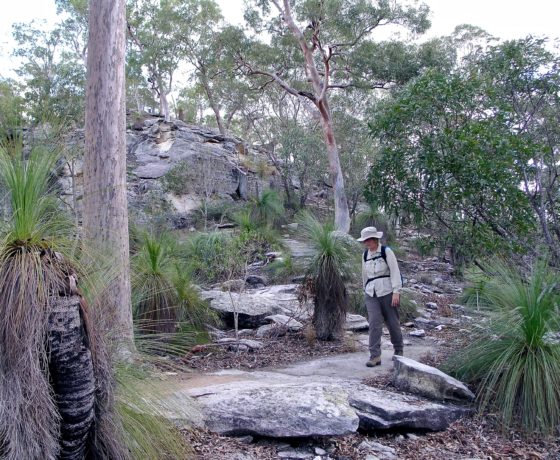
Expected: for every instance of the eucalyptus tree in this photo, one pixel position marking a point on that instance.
(53, 72)
(105, 220)
(317, 47)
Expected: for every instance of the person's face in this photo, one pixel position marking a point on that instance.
(371, 244)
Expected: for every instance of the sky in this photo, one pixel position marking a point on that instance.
(504, 19)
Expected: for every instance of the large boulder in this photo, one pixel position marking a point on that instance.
(382, 410)
(428, 381)
(280, 410)
(254, 306)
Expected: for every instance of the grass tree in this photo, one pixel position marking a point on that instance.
(49, 354)
(164, 300)
(515, 360)
(60, 394)
(332, 266)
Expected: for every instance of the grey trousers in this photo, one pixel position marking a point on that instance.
(380, 310)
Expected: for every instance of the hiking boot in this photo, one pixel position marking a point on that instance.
(374, 361)
(398, 353)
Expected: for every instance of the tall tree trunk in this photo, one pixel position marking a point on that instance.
(212, 102)
(105, 222)
(341, 212)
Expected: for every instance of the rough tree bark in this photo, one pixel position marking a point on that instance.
(105, 221)
(72, 376)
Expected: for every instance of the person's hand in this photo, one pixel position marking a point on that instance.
(396, 299)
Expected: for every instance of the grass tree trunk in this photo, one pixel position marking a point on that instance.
(72, 376)
(105, 221)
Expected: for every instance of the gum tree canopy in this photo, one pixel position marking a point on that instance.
(317, 47)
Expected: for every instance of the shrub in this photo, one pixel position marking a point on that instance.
(408, 309)
(512, 359)
(284, 269)
(267, 208)
(375, 218)
(213, 256)
(178, 179)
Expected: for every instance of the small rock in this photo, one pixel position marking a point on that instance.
(293, 226)
(270, 329)
(294, 454)
(356, 323)
(439, 328)
(252, 344)
(255, 280)
(384, 452)
(245, 332)
(245, 439)
(232, 285)
(418, 333)
(319, 451)
(412, 436)
(285, 321)
(409, 324)
(372, 457)
(273, 255)
(431, 305)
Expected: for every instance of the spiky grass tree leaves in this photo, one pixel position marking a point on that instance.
(165, 302)
(515, 360)
(333, 265)
(154, 297)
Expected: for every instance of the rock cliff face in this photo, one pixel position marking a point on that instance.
(173, 167)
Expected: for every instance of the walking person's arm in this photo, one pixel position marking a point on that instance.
(396, 280)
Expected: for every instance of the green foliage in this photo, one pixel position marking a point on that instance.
(267, 208)
(177, 179)
(53, 67)
(334, 264)
(284, 269)
(163, 297)
(214, 257)
(11, 108)
(147, 432)
(375, 218)
(408, 309)
(425, 246)
(514, 360)
(467, 153)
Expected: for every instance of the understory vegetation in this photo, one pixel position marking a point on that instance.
(514, 358)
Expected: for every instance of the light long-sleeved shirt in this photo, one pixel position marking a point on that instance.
(391, 281)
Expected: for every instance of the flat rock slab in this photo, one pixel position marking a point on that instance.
(382, 410)
(281, 410)
(253, 306)
(428, 381)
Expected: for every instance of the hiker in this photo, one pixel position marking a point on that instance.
(382, 284)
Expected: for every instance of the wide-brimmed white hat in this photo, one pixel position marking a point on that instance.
(370, 232)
